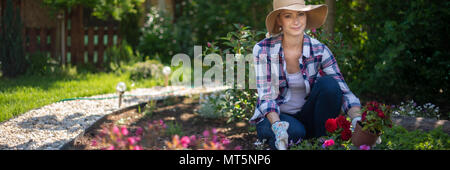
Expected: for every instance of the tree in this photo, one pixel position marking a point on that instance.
(12, 56)
(101, 8)
(331, 18)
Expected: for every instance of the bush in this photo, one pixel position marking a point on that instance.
(150, 69)
(238, 103)
(398, 138)
(197, 22)
(42, 64)
(209, 106)
(402, 47)
(118, 56)
(12, 53)
(159, 37)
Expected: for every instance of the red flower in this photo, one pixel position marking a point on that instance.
(381, 114)
(343, 122)
(346, 134)
(363, 118)
(331, 125)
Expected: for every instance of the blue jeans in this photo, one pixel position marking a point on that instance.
(324, 102)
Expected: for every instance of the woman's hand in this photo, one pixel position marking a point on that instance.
(280, 129)
(281, 135)
(355, 115)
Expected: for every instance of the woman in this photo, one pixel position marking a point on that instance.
(298, 80)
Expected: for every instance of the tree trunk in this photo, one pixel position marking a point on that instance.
(331, 18)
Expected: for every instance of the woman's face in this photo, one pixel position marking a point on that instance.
(292, 22)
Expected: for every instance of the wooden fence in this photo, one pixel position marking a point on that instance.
(78, 38)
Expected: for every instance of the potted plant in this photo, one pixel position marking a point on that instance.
(375, 117)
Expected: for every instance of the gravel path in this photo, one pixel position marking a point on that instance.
(52, 126)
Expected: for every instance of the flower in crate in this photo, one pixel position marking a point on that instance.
(375, 117)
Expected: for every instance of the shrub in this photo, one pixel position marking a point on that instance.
(209, 106)
(401, 45)
(150, 69)
(119, 56)
(41, 64)
(159, 37)
(12, 53)
(173, 128)
(238, 102)
(398, 138)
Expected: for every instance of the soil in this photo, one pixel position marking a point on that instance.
(179, 110)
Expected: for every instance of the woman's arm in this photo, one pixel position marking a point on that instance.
(355, 111)
(331, 68)
(273, 117)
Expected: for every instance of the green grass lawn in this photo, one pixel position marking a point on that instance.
(22, 94)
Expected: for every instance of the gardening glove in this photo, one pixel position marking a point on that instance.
(354, 120)
(281, 135)
(378, 140)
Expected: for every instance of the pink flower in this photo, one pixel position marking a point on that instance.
(124, 130)
(110, 148)
(313, 30)
(214, 138)
(116, 130)
(185, 141)
(205, 133)
(193, 138)
(137, 148)
(214, 131)
(225, 141)
(162, 124)
(328, 143)
(137, 138)
(364, 147)
(131, 140)
(209, 44)
(238, 148)
(139, 131)
(94, 143)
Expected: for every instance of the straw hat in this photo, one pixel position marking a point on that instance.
(316, 14)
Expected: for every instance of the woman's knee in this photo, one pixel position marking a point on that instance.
(296, 133)
(329, 87)
(264, 129)
(296, 129)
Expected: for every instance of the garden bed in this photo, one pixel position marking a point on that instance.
(179, 112)
(181, 116)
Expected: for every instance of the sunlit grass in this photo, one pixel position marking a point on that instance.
(22, 94)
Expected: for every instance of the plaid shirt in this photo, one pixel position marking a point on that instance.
(317, 61)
